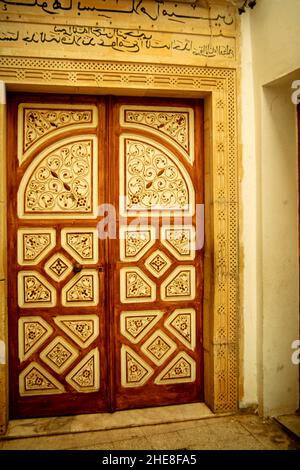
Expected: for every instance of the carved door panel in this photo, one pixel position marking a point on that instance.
(158, 272)
(56, 292)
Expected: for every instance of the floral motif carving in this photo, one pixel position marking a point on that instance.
(34, 290)
(179, 284)
(158, 263)
(179, 240)
(155, 178)
(135, 325)
(81, 243)
(134, 370)
(33, 331)
(135, 286)
(35, 380)
(135, 241)
(181, 369)
(182, 323)
(176, 125)
(62, 181)
(59, 354)
(82, 289)
(58, 267)
(82, 329)
(40, 122)
(85, 377)
(159, 347)
(34, 244)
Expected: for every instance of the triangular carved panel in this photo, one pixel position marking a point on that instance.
(182, 323)
(180, 240)
(81, 243)
(35, 380)
(34, 291)
(135, 372)
(135, 241)
(34, 244)
(181, 369)
(134, 325)
(83, 329)
(85, 377)
(135, 286)
(180, 284)
(33, 332)
(82, 289)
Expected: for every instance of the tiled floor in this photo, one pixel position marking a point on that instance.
(238, 432)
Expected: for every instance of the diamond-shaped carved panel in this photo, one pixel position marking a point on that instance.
(134, 325)
(83, 329)
(59, 354)
(58, 267)
(158, 263)
(158, 347)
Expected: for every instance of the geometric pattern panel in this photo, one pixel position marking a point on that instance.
(82, 329)
(180, 370)
(135, 286)
(175, 125)
(134, 325)
(85, 377)
(35, 380)
(135, 241)
(59, 354)
(134, 370)
(61, 181)
(180, 284)
(182, 323)
(158, 347)
(34, 244)
(179, 240)
(33, 332)
(82, 290)
(152, 179)
(58, 267)
(158, 263)
(34, 291)
(36, 122)
(81, 243)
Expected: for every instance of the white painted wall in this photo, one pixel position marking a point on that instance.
(270, 185)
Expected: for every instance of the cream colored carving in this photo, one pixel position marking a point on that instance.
(180, 284)
(175, 125)
(182, 324)
(59, 354)
(82, 290)
(83, 329)
(152, 179)
(85, 377)
(134, 325)
(135, 241)
(58, 267)
(181, 369)
(158, 347)
(35, 380)
(34, 244)
(81, 243)
(32, 333)
(179, 240)
(34, 291)
(61, 181)
(38, 122)
(158, 263)
(135, 372)
(135, 286)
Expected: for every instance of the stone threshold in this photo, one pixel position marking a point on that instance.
(34, 427)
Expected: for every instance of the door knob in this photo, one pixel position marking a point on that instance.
(77, 268)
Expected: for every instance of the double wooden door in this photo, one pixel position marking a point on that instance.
(105, 267)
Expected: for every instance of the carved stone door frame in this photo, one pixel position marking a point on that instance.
(218, 87)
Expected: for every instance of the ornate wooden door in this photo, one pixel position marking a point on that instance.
(57, 327)
(158, 274)
(98, 323)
